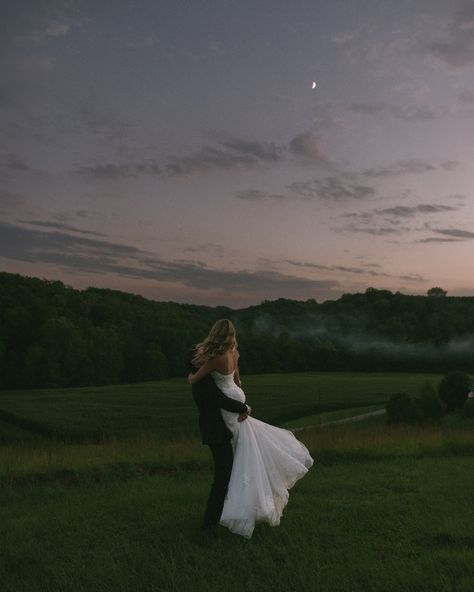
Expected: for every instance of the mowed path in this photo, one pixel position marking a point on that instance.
(360, 417)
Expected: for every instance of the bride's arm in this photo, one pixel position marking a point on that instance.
(207, 367)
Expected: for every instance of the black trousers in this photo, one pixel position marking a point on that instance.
(223, 458)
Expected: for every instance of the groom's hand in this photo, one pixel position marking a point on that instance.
(242, 416)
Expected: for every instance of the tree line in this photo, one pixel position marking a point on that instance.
(52, 335)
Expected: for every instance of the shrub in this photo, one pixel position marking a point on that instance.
(429, 407)
(400, 409)
(453, 389)
(468, 409)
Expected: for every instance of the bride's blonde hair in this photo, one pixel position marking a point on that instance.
(221, 338)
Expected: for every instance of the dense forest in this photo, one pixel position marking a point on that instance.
(53, 335)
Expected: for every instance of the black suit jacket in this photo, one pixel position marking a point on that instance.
(210, 400)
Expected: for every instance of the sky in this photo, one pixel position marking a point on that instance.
(178, 150)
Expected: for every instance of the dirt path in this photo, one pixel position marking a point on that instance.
(344, 420)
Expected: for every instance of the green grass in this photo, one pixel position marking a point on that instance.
(395, 525)
(166, 407)
(383, 509)
(13, 433)
(323, 418)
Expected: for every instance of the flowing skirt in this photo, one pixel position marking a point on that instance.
(267, 462)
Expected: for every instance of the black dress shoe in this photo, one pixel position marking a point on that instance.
(208, 534)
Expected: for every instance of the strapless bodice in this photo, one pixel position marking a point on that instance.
(225, 382)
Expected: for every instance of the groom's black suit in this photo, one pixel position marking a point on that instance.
(210, 400)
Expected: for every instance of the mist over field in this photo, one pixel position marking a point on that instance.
(358, 334)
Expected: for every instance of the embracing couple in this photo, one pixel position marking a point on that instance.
(255, 463)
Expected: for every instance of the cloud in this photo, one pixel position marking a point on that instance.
(375, 231)
(466, 96)
(60, 226)
(82, 254)
(410, 211)
(47, 29)
(402, 167)
(265, 151)
(356, 270)
(345, 185)
(306, 146)
(435, 239)
(454, 232)
(372, 221)
(328, 188)
(228, 153)
(456, 46)
(15, 164)
(410, 112)
(258, 195)
(119, 171)
(332, 188)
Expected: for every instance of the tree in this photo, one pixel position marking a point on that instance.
(429, 407)
(454, 388)
(400, 409)
(436, 292)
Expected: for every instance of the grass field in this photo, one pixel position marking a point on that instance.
(166, 407)
(383, 509)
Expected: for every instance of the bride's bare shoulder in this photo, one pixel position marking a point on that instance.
(223, 362)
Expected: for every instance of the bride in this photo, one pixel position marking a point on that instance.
(267, 460)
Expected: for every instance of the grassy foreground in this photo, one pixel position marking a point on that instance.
(401, 520)
(384, 509)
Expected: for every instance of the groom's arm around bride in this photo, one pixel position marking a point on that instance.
(210, 400)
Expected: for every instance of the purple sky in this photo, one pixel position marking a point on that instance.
(177, 150)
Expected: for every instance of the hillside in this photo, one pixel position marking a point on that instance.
(53, 335)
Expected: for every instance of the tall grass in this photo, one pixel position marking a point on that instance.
(151, 454)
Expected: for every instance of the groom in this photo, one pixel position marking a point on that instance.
(209, 400)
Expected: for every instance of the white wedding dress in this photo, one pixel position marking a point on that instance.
(267, 462)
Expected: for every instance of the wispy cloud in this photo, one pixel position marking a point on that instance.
(410, 112)
(227, 153)
(109, 172)
(44, 30)
(87, 255)
(402, 167)
(17, 165)
(355, 270)
(411, 211)
(454, 232)
(435, 239)
(327, 188)
(258, 195)
(456, 46)
(374, 230)
(344, 185)
(306, 146)
(333, 189)
(60, 226)
(375, 221)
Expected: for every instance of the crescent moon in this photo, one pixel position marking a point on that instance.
(313, 85)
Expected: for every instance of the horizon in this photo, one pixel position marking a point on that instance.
(232, 153)
(447, 295)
